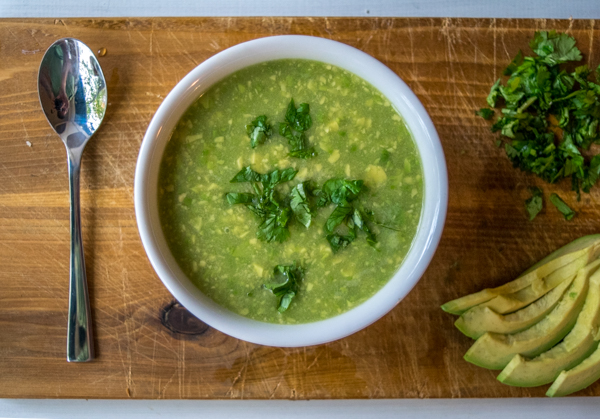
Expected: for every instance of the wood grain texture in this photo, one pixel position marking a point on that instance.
(150, 347)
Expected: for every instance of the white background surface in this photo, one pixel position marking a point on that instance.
(559, 9)
(572, 408)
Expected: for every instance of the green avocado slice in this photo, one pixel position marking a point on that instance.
(494, 351)
(578, 378)
(509, 303)
(575, 347)
(557, 259)
(480, 319)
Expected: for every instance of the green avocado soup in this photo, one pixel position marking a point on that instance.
(356, 133)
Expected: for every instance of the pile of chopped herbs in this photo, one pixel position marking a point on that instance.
(549, 114)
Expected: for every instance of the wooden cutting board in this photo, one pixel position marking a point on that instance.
(150, 347)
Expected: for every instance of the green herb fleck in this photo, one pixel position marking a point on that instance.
(385, 156)
(300, 205)
(555, 48)
(285, 284)
(534, 204)
(485, 113)
(259, 130)
(493, 96)
(342, 193)
(338, 191)
(265, 203)
(297, 121)
(560, 205)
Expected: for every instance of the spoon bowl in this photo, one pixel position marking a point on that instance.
(72, 92)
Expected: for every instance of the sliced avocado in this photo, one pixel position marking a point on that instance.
(552, 262)
(578, 378)
(494, 351)
(575, 347)
(480, 319)
(509, 303)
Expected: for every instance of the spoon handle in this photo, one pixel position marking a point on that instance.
(80, 346)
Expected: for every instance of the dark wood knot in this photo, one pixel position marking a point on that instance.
(178, 319)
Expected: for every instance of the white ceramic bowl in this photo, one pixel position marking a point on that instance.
(266, 49)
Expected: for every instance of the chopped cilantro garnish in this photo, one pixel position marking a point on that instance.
(285, 284)
(549, 114)
(342, 193)
(555, 48)
(300, 205)
(535, 203)
(297, 121)
(265, 202)
(338, 191)
(258, 130)
(560, 205)
(370, 215)
(485, 113)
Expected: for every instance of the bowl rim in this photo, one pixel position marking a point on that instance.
(219, 66)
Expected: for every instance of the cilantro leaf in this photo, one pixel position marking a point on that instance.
(339, 242)
(285, 284)
(296, 122)
(355, 220)
(276, 177)
(534, 204)
(514, 65)
(337, 217)
(555, 48)
(342, 193)
(246, 175)
(492, 97)
(593, 173)
(273, 228)
(560, 205)
(338, 191)
(300, 205)
(298, 118)
(259, 130)
(358, 219)
(265, 203)
(370, 215)
(269, 180)
(239, 198)
(485, 113)
(303, 152)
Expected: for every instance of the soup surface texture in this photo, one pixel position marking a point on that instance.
(356, 133)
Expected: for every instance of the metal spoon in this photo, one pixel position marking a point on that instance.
(72, 93)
